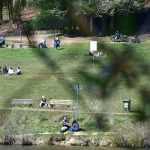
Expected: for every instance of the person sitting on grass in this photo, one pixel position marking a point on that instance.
(43, 102)
(75, 126)
(10, 71)
(65, 125)
(18, 71)
(42, 44)
(56, 42)
(2, 41)
(5, 70)
(117, 35)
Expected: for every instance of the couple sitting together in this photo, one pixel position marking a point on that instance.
(66, 127)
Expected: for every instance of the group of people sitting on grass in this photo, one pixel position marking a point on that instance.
(9, 71)
(66, 127)
(42, 43)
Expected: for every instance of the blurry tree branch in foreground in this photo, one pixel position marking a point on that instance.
(121, 65)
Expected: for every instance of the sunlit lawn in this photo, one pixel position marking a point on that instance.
(54, 73)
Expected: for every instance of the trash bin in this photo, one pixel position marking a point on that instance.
(126, 105)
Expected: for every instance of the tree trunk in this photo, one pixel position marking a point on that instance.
(1, 12)
(26, 32)
(112, 24)
(91, 24)
(10, 9)
(103, 25)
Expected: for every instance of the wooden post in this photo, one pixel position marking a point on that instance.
(112, 24)
(103, 24)
(91, 24)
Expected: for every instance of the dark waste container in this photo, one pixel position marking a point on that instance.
(127, 105)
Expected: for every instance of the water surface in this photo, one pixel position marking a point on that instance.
(47, 147)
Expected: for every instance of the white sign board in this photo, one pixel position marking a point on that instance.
(93, 46)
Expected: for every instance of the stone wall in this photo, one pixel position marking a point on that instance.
(43, 32)
(105, 139)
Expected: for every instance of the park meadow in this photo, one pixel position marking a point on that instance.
(55, 73)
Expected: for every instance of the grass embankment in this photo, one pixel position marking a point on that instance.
(54, 73)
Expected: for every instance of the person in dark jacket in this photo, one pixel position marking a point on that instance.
(56, 42)
(2, 41)
(5, 70)
(75, 126)
(117, 35)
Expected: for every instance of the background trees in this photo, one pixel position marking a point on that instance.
(110, 8)
(82, 14)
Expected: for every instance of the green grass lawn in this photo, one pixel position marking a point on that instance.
(54, 73)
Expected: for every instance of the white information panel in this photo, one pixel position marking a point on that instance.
(93, 46)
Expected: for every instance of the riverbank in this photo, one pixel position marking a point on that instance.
(101, 139)
(54, 73)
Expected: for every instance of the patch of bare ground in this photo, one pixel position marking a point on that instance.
(49, 40)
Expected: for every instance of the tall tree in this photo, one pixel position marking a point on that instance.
(103, 8)
(17, 7)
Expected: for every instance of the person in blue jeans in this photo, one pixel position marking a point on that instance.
(75, 126)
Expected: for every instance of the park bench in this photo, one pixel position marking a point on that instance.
(135, 39)
(58, 102)
(22, 102)
(123, 38)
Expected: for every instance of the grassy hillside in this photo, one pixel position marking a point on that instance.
(54, 73)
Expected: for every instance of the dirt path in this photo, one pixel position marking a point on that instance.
(60, 110)
(49, 39)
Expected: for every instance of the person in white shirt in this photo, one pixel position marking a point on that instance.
(42, 44)
(10, 71)
(43, 102)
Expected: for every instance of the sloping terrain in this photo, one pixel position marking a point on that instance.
(13, 28)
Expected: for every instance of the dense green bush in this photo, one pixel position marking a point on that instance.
(44, 22)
